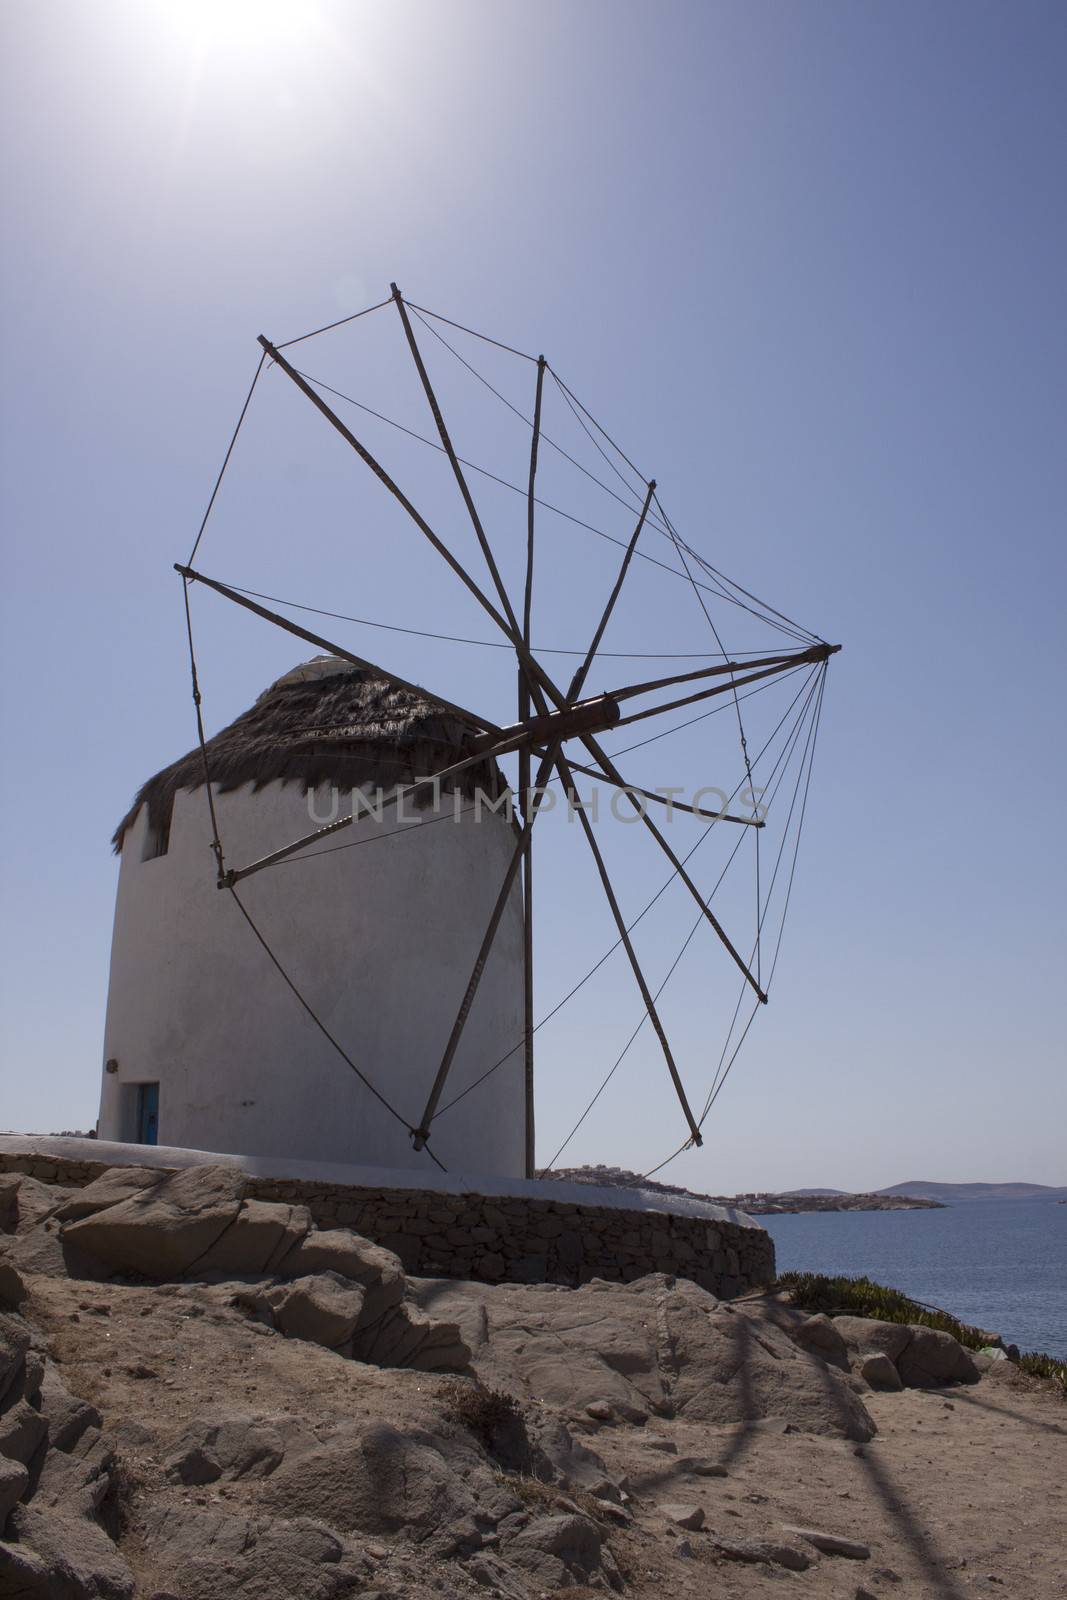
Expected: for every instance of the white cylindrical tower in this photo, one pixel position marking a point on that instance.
(378, 926)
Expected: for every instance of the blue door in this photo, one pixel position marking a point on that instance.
(148, 1113)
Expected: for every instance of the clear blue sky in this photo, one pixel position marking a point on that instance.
(806, 260)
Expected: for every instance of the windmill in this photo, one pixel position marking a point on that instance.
(559, 728)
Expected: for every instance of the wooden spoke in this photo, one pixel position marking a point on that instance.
(661, 799)
(809, 658)
(785, 660)
(524, 788)
(468, 498)
(470, 717)
(624, 934)
(612, 772)
(583, 671)
(422, 1133)
(394, 489)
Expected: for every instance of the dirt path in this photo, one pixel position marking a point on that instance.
(962, 1492)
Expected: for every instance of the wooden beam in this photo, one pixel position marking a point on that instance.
(422, 1132)
(470, 717)
(784, 660)
(587, 716)
(720, 688)
(468, 498)
(612, 772)
(662, 799)
(524, 786)
(394, 489)
(624, 935)
(583, 671)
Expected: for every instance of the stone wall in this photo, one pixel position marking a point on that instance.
(496, 1239)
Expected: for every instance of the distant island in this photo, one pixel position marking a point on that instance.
(952, 1193)
(761, 1204)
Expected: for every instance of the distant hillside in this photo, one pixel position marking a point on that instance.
(790, 1193)
(948, 1193)
(756, 1205)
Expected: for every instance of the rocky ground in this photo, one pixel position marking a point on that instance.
(202, 1396)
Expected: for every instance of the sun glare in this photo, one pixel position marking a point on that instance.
(241, 28)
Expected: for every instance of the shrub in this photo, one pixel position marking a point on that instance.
(487, 1413)
(1039, 1366)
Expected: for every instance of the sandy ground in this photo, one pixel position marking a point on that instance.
(962, 1492)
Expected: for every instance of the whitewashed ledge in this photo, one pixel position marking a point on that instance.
(44, 1147)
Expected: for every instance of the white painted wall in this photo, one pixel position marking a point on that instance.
(380, 938)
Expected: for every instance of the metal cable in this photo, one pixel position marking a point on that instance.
(340, 323)
(491, 644)
(558, 511)
(630, 927)
(216, 846)
(718, 1089)
(226, 459)
(729, 862)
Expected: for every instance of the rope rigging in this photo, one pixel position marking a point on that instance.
(595, 968)
(783, 757)
(217, 850)
(723, 1073)
(719, 591)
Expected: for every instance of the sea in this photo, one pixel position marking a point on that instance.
(996, 1264)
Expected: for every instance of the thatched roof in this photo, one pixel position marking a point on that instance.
(325, 722)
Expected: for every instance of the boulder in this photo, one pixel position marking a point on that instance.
(657, 1345)
(67, 1416)
(407, 1337)
(13, 1480)
(33, 1368)
(931, 1357)
(876, 1369)
(163, 1230)
(239, 1447)
(30, 1201)
(207, 1554)
(764, 1551)
(29, 1577)
(683, 1516)
(832, 1544)
(77, 1484)
(820, 1337)
(374, 1480)
(733, 1364)
(112, 1186)
(558, 1549)
(22, 1432)
(922, 1356)
(9, 1194)
(40, 1249)
(865, 1334)
(700, 1467)
(378, 1272)
(14, 1343)
(261, 1233)
(323, 1309)
(12, 1289)
(492, 1574)
(558, 1457)
(60, 1557)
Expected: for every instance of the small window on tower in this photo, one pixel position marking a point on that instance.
(157, 834)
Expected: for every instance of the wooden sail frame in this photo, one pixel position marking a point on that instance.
(548, 719)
